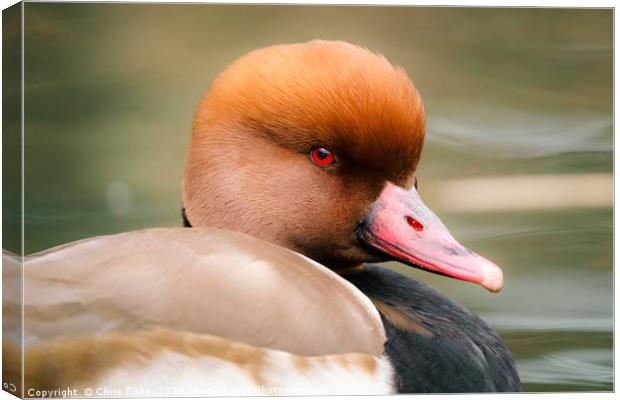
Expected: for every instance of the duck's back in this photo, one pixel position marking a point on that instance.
(198, 280)
(202, 310)
(435, 345)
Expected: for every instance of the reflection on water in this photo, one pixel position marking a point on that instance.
(111, 90)
(587, 367)
(525, 135)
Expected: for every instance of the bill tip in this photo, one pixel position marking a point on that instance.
(493, 279)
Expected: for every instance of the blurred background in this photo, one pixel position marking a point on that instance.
(518, 157)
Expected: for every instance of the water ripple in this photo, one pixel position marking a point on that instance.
(527, 322)
(590, 367)
(536, 138)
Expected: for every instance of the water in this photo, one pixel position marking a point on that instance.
(111, 89)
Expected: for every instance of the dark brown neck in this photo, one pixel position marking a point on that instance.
(186, 222)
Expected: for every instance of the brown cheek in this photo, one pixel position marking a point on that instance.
(333, 205)
(281, 197)
(287, 200)
(317, 208)
(310, 212)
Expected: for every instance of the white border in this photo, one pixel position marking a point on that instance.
(505, 3)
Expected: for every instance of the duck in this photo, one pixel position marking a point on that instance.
(300, 180)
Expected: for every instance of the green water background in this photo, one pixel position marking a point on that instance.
(110, 92)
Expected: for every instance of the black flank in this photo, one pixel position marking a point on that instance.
(454, 351)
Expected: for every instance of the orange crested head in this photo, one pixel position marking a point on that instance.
(293, 143)
(322, 92)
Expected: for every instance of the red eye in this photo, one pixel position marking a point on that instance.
(322, 157)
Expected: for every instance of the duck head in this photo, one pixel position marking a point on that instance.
(315, 147)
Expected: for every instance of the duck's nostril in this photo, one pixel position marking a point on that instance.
(414, 223)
